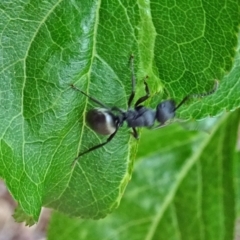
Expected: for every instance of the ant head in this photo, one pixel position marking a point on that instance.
(101, 121)
(165, 111)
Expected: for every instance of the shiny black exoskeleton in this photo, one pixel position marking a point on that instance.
(107, 120)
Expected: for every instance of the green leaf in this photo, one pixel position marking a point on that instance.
(227, 97)
(182, 189)
(237, 177)
(48, 45)
(21, 216)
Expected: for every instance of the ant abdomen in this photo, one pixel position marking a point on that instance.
(101, 121)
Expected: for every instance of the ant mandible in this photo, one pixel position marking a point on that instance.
(107, 120)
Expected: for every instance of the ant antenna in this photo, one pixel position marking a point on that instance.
(198, 95)
(92, 98)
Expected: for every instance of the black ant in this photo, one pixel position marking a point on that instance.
(107, 120)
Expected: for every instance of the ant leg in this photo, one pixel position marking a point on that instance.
(96, 147)
(133, 81)
(144, 98)
(135, 133)
(91, 98)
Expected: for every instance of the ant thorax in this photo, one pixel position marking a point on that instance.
(140, 116)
